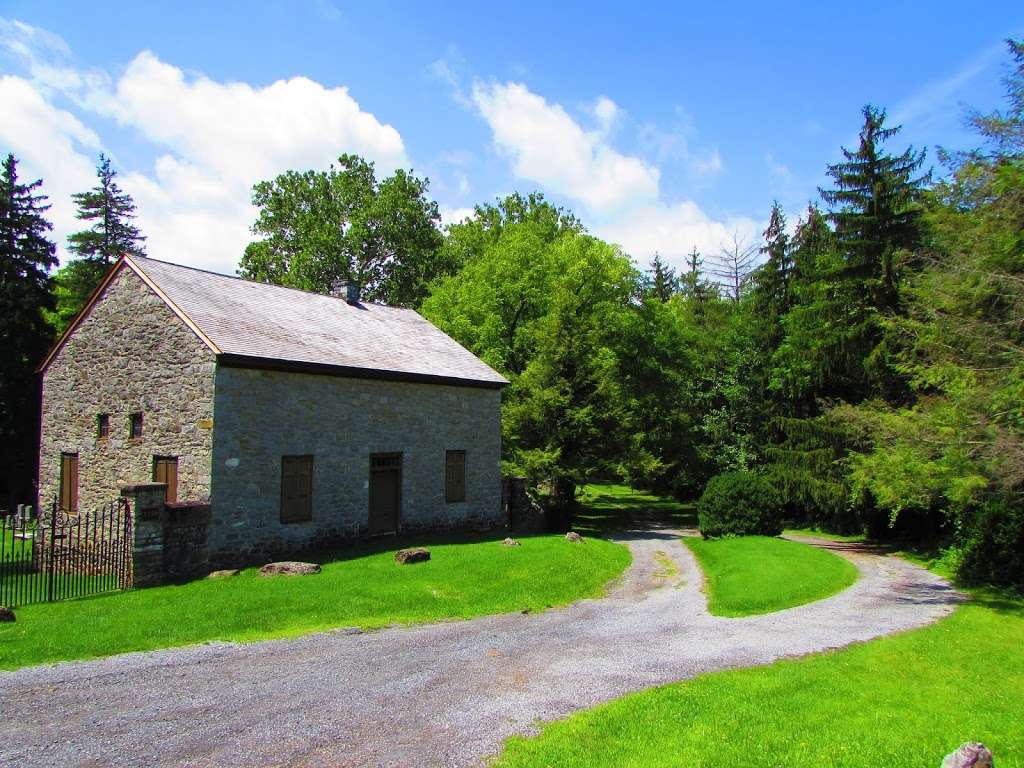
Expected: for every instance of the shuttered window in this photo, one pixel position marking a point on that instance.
(296, 489)
(455, 476)
(165, 470)
(69, 483)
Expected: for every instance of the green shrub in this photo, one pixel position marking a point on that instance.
(739, 504)
(993, 546)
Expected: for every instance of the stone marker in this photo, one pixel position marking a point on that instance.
(510, 542)
(971, 754)
(573, 536)
(6, 615)
(289, 568)
(225, 574)
(413, 555)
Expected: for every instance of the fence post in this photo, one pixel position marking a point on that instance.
(51, 565)
(149, 507)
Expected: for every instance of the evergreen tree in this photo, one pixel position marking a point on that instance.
(111, 234)
(692, 285)
(772, 297)
(26, 254)
(662, 282)
(875, 208)
(111, 210)
(1004, 129)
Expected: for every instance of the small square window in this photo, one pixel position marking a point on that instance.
(103, 425)
(135, 425)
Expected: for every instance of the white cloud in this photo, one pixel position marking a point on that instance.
(547, 146)
(51, 144)
(673, 231)
(709, 165)
(454, 215)
(244, 133)
(620, 192)
(607, 113)
(213, 140)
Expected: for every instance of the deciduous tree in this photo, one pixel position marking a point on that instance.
(319, 228)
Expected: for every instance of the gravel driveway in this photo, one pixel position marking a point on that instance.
(433, 695)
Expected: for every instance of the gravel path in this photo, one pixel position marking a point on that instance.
(433, 695)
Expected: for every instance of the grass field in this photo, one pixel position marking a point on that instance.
(471, 577)
(759, 574)
(903, 701)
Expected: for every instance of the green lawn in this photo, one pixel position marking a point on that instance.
(759, 574)
(367, 589)
(903, 702)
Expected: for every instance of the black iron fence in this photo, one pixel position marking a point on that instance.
(56, 556)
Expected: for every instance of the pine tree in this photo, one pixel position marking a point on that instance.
(772, 279)
(1004, 130)
(692, 285)
(112, 234)
(662, 283)
(26, 254)
(875, 208)
(112, 210)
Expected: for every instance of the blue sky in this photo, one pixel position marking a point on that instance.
(662, 125)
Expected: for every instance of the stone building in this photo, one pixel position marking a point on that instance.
(300, 418)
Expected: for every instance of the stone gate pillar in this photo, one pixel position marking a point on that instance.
(149, 511)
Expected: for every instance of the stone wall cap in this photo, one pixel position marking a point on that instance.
(142, 487)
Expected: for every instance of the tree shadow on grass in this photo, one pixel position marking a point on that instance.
(353, 549)
(606, 510)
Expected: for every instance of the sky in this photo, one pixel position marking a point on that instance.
(663, 126)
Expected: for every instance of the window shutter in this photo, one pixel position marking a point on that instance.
(296, 489)
(165, 470)
(455, 476)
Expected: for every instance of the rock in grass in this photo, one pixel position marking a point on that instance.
(225, 574)
(289, 568)
(510, 542)
(573, 537)
(6, 615)
(412, 555)
(971, 754)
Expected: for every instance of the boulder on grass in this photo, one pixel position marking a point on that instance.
(510, 542)
(289, 568)
(412, 555)
(225, 574)
(573, 537)
(6, 615)
(971, 754)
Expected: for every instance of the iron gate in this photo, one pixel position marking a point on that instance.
(56, 555)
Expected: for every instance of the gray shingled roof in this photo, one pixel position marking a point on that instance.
(269, 323)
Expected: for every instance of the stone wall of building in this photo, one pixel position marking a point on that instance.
(263, 415)
(131, 354)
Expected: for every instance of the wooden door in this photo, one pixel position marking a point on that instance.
(385, 492)
(165, 470)
(69, 483)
